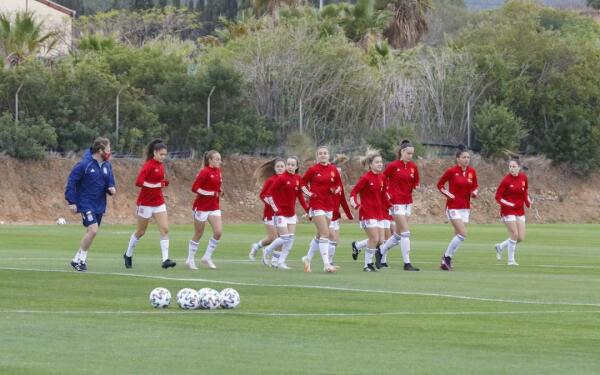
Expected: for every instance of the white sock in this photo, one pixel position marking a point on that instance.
(133, 240)
(275, 258)
(210, 248)
(391, 242)
(314, 247)
(512, 247)
(80, 256)
(192, 249)
(274, 245)
(384, 257)
(504, 244)
(405, 246)
(257, 245)
(164, 248)
(361, 244)
(331, 253)
(369, 256)
(285, 249)
(454, 245)
(324, 250)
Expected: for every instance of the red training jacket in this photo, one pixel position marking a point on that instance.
(322, 181)
(208, 179)
(402, 179)
(152, 172)
(461, 184)
(515, 190)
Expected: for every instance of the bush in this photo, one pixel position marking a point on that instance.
(387, 141)
(28, 139)
(497, 129)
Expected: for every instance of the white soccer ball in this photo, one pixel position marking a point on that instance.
(160, 298)
(209, 299)
(230, 298)
(187, 299)
(61, 221)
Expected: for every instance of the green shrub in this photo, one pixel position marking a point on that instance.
(28, 139)
(497, 129)
(387, 141)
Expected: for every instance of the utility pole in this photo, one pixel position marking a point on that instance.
(320, 5)
(469, 123)
(17, 103)
(208, 107)
(301, 118)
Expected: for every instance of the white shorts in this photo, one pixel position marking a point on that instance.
(371, 223)
(284, 221)
(203, 215)
(334, 225)
(270, 222)
(513, 218)
(315, 213)
(462, 214)
(146, 212)
(402, 209)
(387, 224)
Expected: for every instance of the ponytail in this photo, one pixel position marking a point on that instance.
(155, 145)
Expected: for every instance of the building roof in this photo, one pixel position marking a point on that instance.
(58, 7)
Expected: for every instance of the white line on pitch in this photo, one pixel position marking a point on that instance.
(321, 287)
(294, 314)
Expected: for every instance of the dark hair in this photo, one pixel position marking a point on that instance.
(100, 144)
(209, 155)
(267, 169)
(155, 145)
(461, 148)
(404, 144)
(297, 163)
(516, 160)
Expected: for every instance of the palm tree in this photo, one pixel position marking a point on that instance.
(408, 24)
(23, 37)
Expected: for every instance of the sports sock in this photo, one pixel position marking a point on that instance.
(164, 247)
(369, 256)
(391, 242)
(314, 247)
(512, 247)
(210, 248)
(454, 245)
(192, 249)
(361, 244)
(133, 240)
(405, 246)
(331, 253)
(324, 250)
(285, 249)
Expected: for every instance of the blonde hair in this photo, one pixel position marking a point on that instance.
(209, 155)
(340, 159)
(369, 156)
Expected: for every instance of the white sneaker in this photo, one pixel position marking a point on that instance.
(191, 264)
(252, 254)
(274, 262)
(512, 263)
(208, 263)
(498, 252)
(330, 269)
(283, 266)
(265, 259)
(306, 262)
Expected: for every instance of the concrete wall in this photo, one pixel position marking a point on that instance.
(54, 17)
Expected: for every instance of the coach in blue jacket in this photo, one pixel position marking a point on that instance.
(89, 182)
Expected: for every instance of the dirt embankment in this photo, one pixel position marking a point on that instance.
(33, 192)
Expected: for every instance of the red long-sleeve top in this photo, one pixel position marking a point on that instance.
(209, 180)
(322, 181)
(152, 172)
(268, 210)
(340, 200)
(282, 193)
(402, 179)
(515, 190)
(372, 191)
(460, 184)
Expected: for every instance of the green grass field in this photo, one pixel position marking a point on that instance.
(542, 317)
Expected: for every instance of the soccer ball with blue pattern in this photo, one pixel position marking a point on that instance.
(160, 298)
(209, 299)
(230, 298)
(187, 299)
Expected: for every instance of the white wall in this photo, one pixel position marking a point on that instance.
(54, 20)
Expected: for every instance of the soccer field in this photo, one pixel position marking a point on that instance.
(542, 317)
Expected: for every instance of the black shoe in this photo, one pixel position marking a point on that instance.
(378, 257)
(384, 265)
(79, 267)
(128, 261)
(370, 268)
(168, 263)
(355, 250)
(409, 267)
(446, 264)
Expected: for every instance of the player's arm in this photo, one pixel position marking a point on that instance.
(475, 187)
(112, 187)
(71, 189)
(344, 205)
(441, 185)
(355, 191)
